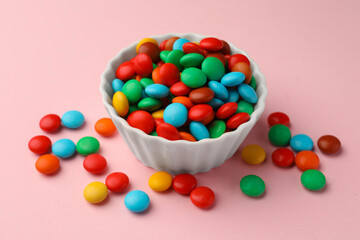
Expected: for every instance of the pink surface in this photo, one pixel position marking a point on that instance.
(52, 56)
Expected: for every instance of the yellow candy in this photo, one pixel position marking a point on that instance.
(196, 43)
(253, 154)
(120, 103)
(95, 192)
(158, 114)
(144, 41)
(160, 181)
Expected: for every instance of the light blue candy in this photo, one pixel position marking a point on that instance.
(178, 44)
(137, 201)
(117, 85)
(157, 91)
(233, 79)
(247, 93)
(233, 95)
(63, 148)
(199, 130)
(215, 103)
(175, 114)
(220, 90)
(301, 142)
(72, 119)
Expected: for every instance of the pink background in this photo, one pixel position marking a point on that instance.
(52, 56)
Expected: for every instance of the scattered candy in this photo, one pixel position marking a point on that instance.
(252, 185)
(160, 181)
(137, 201)
(105, 127)
(117, 182)
(95, 192)
(184, 183)
(47, 164)
(73, 119)
(202, 197)
(283, 157)
(306, 160)
(64, 148)
(40, 144)
(278, 118)
(301, 142)
(253, 154)
(87, 145)
(50, 123)
(329, 144)
(94, 163)
(313, 180)
(279, 135)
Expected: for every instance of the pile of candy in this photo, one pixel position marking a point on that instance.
(182, 90)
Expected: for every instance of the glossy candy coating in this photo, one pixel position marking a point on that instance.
(47, 164)
(301, 142)
(200, 112)
(40, 144)
(137, 201)
(105, 127)
(187, 137)
(94, 163)
(178, 44)
(160, 181)
(209, 118)
(252, 185)
(283, 157)
(157, 122)
(158, 114)
(117, 85)
(215, 103)
(120, 103)
(146, 82)
(217, 55)
(306, 160)
(157, 91)
(95, 192)
(217, 128)
(145, 40)
(233, 95)
(247, 93)
(237, 58)
(180, 89)
(278, 118)
(167, 131)
(143, 65)
(329, 144)
(141, 120)
(87, 145)
(232, 79)
(169, 74)
(192, 60)
(149, 104)
(63, 148)
(132, 90)
(252, 83)
(219, 90)
(192, 48)
(213, 68)
(199, 130)
(313, 180)
(117, 182)
(50, 123)
(184, 183)
(174, 57)
(72, 119)
(253, 154)
(237, 119)
(279, 135)
(175, 114)
(193, 77)
(169, 43)
(244, 106)
(150, 49)
(184, 101)
(211, 44)
(226, 48)
(201, 95)
(202, 197)
(125, 71)
(226, 110)
(245, 69)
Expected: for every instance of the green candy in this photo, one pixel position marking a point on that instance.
(174, 57)
(279, 135)
(192, 60)
(244, 106)
(132, 90)
(213, 68)
(146, 82)
(153, 133)
(132, 108)
(163, 55)
(252, 185)
(149, 104)
(217, 128)
(252, 83)
(313, 179)
(87, 145)
(193, 77)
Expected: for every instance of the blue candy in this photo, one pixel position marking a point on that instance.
(117, 85)
(175, 114)
(137, 201)
(232, 79)
(63, 148)
(72, 119)
(301, 142)
(178, 44)
(220, 91)
(247, 93)
(199, 130)
(233, 96)
(157, 91)
(143, 94)
(215, 103)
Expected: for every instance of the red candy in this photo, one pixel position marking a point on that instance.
(162, 45)
(237, 58)
(226, 110)
(278, 118)
(211, 44)
(180, 89)
(236, 120)
(50, 123)
(184, 183)
(283, 157)
(158, 121)
(125, 71)
(209, 119)
(143, 65)
(141, 120)
(202, 197)
(40, 144)
(169, 74)
(190, 47)
(94, 163)
(168, 131)
(226, 48)
(200, 112)
(117, 182)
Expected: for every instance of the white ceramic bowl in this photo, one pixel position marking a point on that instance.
(179, 156)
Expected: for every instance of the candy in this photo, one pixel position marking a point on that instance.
(50, 123)
(192, 48)
(211, 44)
(95, 192)
(163, 55)
(217, 128)
(157, 91)
(233, 95)
(193, 77)
(170, 42)
(184, 101)
(278, 118)
(232, 79)
(143, 65)
(236, 120)
(150, 49)
(201, 95)
(192, 60)
(158, 113)
(237, 58)
(200, 112)
(167, 131)
(87, 145)
(132, 108)
(47, 164)
(306, 160)
(252, 186)
(301, 142)
(209, 119)
(175, 114)
(219, 90)
(279, 135)
(199, 130)
(283, 157)
(213, 68)
(226, 110)
(252, 83)
(180, 89)
(244, 106)
(105, 127)
(226, 48)
(117, 85)
(217, 55)
(149, 104)
(158, 121)
(160, 181)
(253, 154)
(94, 163)
(202, 197)
(169, 74)
(72, 119)
(245, 69)
(313, 180)
(141, 120)
(247, 93)
(120, 103)
(137, 201)
(178, 44)
(187, 136)
(329, 144)
(215, 103)
(184, 183)
(125, 71)
(145, 40)
(146, 82)
(132, 90)
(40, 144)
(174, 57)
(64, 148)
(117, 182)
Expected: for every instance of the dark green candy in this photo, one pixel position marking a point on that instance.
(153, 133)
(132, 90)
(244, 106)
(87, 145)
(279, 135)
(132, 108)
(213, 68)
(313, 180)
(252, 83)
(192, 60)
(174, 57)
(252, 185)
(217, 128)
(149, 104)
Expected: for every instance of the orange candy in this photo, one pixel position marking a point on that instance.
(184, 101)
(306, 160)
(105, 127)
(156, 76)
(47, 164)
(187, 136)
